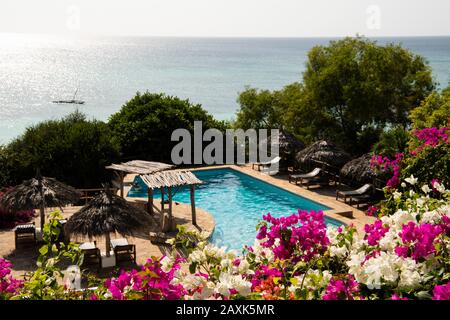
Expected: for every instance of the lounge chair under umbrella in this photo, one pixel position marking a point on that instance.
(274, 161)
(364, 192)
(299, 177)
(108, 213)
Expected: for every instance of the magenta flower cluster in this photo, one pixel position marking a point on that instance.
(343, 288)
(300, 236)
(372, 211)
(392, 165)
(419, 240)
(433, 136)
(151, 281)
(375, 232)
(8, 284)
(442, 292)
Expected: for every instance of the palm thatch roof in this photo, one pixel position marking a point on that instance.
(108, 213)
(360, 171)
(170, 179)
(140, 167)
(323, 152)
(287, 143)
(28, 196)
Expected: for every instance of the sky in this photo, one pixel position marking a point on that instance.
(227, 18)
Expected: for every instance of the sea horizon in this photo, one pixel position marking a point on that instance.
(109, 70)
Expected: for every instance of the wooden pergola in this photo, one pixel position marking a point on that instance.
(136, 167)
(170, 179)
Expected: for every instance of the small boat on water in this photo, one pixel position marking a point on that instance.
(72, 101)
(69, 101)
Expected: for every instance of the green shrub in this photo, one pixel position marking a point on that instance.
(73, 150)
(144, 125)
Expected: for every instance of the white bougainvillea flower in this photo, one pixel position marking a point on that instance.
(411, 180)
(426, 189)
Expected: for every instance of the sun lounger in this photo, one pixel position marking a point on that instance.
(300, 177)
(123, 251)
(91, 255)
(258, 165)
(364, 199)
(25, 233)
(362, 193)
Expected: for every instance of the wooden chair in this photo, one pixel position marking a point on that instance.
(125, 253)
(25, 233)
(92, 257)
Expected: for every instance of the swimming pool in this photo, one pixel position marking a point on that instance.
(237, 201)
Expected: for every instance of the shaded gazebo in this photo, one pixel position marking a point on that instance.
(136, 167)
(39, 193)
(360, 171)
(323, 153)
(105, 214)
(170, 180)
(288, 145)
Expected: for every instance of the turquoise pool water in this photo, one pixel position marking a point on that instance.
(237, 201)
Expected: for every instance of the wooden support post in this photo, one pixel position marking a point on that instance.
(121, 177)
(170, 204)
(150, 201)
(194, 214)
(108, 244)
(162, 200)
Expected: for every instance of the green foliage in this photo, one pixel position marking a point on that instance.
(360, 83)
(259, 109)
(144, 125)
(46, 282)
(434, 111)
(74, 150)
(431, 163)
(352, 89)
(5, 175)
(392, 141)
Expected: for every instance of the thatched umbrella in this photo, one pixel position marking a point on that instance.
(288, 144)
(39, 193)
(323, 152)
(105, 214)
(360, 170)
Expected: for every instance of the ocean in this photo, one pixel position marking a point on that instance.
(35, 70)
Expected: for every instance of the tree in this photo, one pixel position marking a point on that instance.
(259, 109)
(362, 84)
(73, 150)
(392, 141)
(434, 111)
(352, 90)
(144, 125)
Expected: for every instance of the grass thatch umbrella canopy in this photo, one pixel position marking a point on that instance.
(105, 214)
(288, 146)
(287, 143)
(39, 193)
(360, 171)
(323, 152)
